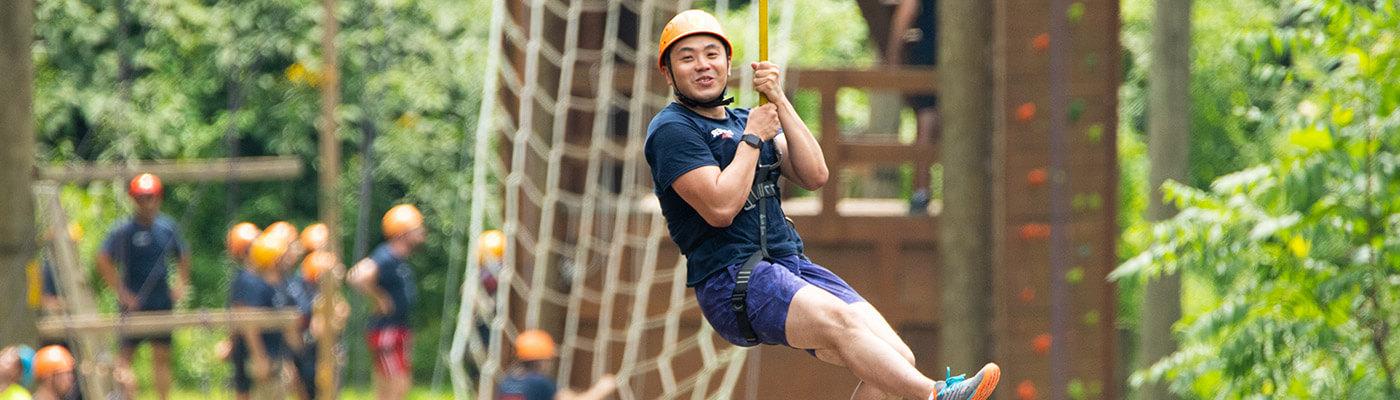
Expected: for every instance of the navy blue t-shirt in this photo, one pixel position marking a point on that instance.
(143, 251)
(249, 290)
(526, 386)
(396, 278)
(680, 140)
(303, 293)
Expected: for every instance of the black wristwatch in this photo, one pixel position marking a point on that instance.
(752, 140)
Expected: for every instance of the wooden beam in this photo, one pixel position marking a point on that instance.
(141, 323)
(216, 169)
(93, 348)
(868, 153)
(905, 79)
(328, 138)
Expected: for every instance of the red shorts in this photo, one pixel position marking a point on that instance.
(389, 348)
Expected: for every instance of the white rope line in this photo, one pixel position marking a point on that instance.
(613, 241)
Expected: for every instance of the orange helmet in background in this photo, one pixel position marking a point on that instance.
(687, 23)
(534, 345)
(267, 249)
(316, 263)
(282, 230)
(491, 245)
(315, 236)
(401, 219)
(240, 237)
(145, 184)
(52, 360)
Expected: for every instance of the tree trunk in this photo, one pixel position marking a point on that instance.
(965, 234)
(1168, 141)
(17, 203)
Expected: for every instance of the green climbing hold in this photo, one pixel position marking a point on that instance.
(1076, 110)
(1094, 133)
(1091, 60)
(1091, 318)
(1076, 389)
(1084, 250)
(1075, 275)
(1075, 12)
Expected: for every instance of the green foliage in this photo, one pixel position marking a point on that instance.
(1300, 251)
(202, 71)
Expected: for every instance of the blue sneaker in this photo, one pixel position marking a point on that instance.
(978, 387)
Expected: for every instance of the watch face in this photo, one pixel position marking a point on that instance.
(753, 140)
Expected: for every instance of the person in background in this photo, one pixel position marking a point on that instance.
(386, 278)
(531, 376)
(304, 291)
(257, 355)
(913, 41)
(11, 372)
(53, 373)
(142, 246)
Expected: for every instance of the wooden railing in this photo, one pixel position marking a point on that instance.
(835, 217)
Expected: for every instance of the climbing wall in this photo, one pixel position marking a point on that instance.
(1057, 80)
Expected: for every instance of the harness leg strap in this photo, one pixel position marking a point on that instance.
(738, 301)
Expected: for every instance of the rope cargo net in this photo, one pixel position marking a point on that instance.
(574, 200)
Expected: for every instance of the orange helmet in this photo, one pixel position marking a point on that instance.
(52, 360)
(282, 230)
(491, 245)
(267, 249)
(240, 237)
(401, 219)
(687, 23)
(534, 345)
(144, 184)
(315, 263)
(315, 236)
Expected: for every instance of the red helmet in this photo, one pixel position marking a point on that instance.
(145, 184)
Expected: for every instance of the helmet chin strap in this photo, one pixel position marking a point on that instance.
(718, 101)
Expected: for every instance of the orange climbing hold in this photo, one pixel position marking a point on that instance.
(1027, 294)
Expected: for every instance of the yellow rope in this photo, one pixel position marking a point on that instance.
(762, 40)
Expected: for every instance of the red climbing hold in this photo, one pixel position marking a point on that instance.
(1035, 231)
(1025, 112)
(1037, 177)
(1041, 344)
(1026, 391)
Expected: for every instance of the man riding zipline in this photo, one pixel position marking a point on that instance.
(716, 169)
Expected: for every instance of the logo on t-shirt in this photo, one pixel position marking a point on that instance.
(721, 132)
(141, 239)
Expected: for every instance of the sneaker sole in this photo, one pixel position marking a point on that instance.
(991, 374)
